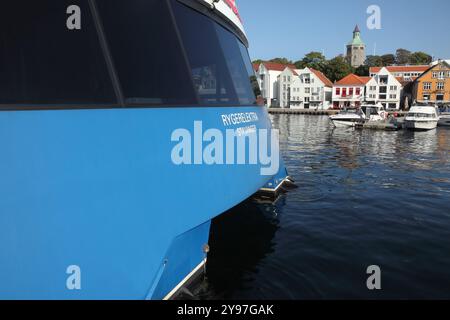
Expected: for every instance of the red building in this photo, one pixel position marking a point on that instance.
(349, 92)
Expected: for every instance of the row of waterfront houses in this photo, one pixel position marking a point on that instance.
(395, 87)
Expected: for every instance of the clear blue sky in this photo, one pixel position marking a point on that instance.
(291, 28)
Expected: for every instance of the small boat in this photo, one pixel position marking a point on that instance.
(444, 120)
(422, 118)
(444, 117)
(363, 114)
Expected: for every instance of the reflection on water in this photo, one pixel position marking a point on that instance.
(364, 198)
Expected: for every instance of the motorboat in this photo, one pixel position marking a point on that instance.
(360, 115)
(422, 117)
(444, 117)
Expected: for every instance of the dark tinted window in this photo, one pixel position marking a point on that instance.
(220, 70)
(146, 52)
(43, 62)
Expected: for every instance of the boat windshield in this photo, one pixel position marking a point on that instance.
(370, 111)
(420, 115)
(122, 53)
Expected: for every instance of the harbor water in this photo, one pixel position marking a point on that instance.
(364, 198)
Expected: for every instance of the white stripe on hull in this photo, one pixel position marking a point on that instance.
(343, 124)
(420, 125)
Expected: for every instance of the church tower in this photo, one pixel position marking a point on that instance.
(356, 50)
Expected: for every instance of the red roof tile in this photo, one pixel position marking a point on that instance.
(365, 79)
(277, 66)
(322, 78)
(256, 66)
(353, 79)
(400, 69)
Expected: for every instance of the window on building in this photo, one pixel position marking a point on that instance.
(344, 92)
(338, 91)
(392, 96)
(441, 75)
(350, 91)
(427, 86)
(358, 91)
(426, 97)
(307, 90)
(435, 74)
(440, 97)
(440, 85)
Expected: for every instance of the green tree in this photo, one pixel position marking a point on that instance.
(374, 61)
(403, 56)
(337, 68)
(258, 61)
(362, 71)
(420, 57)
(315, 60)
(388, 59)
(281, 60)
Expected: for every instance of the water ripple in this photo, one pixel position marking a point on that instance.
(364, 197)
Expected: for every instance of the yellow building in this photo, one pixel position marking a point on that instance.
(433, 86)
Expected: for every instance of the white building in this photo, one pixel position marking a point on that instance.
(407, 73)
(284, 90)
(349, 92)
(384, 88)
(304, 89)
(267, 75)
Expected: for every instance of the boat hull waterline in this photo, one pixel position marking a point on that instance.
(421, 125)
(109, 202)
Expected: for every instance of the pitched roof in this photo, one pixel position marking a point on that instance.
(353, 79)
(293, 71)
(441, 63)
(401, 69)
(357, 29)
(277, 66)
(256, 66)
(322, 78)
(437, 61)
(365, 79)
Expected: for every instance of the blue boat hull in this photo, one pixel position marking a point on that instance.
(97, 189)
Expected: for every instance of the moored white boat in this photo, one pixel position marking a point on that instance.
(351, 117)
(444, 120)
(422, 118)
(444, 116)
